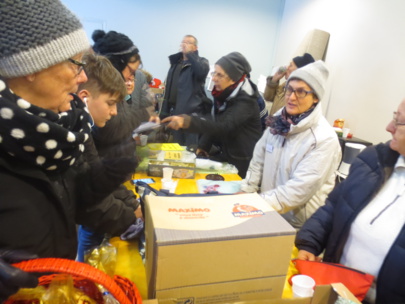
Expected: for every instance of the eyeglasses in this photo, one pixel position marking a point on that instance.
(300, 92)
(218, 75)
(396, 123)
(80, 65)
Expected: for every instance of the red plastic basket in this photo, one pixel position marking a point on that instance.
(123, 290)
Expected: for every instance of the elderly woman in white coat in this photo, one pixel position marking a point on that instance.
(294, 163)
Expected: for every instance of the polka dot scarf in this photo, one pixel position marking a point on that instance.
(41, 137)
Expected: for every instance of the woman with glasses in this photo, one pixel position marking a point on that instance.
(362, 224)
(45, 184)
(236, 126)
(294, 163)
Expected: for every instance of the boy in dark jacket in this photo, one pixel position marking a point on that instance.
(101, 93)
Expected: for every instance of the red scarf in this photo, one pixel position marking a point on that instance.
(221, 96)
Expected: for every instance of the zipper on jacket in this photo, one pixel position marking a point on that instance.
(386, 207)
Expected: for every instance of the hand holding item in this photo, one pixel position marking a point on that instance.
(11, 278)
(174, 122)
(202, 153)
(308, 256)
(155, 119)
(279, 74)
(133, 231)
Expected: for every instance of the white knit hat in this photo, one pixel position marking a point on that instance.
(37, 34)
(315, 75)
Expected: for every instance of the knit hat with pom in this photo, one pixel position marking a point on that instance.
(115, 46)
(303, 60)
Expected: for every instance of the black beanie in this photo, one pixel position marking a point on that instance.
(303, 60)
(235, 65)
(115, 46)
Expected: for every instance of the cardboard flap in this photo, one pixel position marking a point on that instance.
(328, 294)
(342, 290)
(195, 219)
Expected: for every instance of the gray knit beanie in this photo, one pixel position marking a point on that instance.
(315, 75)
(37, 34)
(235, 65)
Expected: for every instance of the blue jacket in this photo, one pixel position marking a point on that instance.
(329, 227)
(190, 87)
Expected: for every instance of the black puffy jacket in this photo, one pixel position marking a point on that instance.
(236, 129)
(329, 227)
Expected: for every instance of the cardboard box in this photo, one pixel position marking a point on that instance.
(211, 249)
(324, 294)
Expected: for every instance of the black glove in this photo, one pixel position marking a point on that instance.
(12, 278)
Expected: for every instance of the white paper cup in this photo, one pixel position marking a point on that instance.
(345, 132)
(302, 286)
(167, 173)
(169, 185)
(144, 140)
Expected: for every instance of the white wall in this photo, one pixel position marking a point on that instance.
(365, 56)
(157, 27)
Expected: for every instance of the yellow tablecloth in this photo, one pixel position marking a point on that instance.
(129, 262)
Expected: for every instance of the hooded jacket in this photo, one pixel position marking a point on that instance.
(294, 174)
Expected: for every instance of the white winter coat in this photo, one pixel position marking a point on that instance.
(294, 174)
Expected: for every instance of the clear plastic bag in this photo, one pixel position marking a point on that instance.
(103, 257)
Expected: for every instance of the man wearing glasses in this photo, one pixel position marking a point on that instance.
(362, 223)
(184, 93)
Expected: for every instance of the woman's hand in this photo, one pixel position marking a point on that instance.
(174, 122)
(279, 74)
(154, 118)
(138, 213)
(307, 256)
(202, 153)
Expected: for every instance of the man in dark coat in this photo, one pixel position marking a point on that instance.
(184, 90)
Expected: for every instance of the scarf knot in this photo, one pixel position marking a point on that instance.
(281, 124)
(220, 97)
